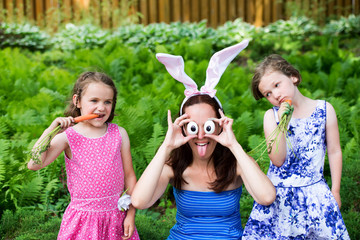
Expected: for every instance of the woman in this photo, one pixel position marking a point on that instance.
(202, 159)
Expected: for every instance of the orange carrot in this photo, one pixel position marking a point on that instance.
(288, 101)
(85, 117)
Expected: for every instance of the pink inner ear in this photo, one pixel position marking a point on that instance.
(219, 62)
(175, 66)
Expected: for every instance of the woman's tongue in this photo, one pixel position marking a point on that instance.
(201, 147)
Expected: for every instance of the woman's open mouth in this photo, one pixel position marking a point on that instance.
(201, 147)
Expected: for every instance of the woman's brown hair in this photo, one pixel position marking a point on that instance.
(80, 87)
(272, 63)
(223, 159)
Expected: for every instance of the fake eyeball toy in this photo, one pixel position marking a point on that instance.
(209, 127)
(192, 128)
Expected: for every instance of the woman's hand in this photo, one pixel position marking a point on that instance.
(174, 137)
(227, 136)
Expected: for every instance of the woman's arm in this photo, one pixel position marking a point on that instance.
(256, 182)
(154, 180)
(334, 151)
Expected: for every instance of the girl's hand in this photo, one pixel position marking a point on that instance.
(337, 197)
(174, 137)
(285, 108)
(129, 227)
(227, 136)
(285, 112)
(64, 123)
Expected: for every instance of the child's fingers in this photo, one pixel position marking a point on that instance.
(69, 121)
(66, 122)
(126, 232)
(284, 109)
(131, 230)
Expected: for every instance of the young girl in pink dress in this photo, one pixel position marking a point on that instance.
(98, 163)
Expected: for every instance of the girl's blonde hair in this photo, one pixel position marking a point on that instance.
(272, 63)
(80, 87)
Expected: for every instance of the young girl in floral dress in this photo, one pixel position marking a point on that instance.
(305, 207)
(98, 163)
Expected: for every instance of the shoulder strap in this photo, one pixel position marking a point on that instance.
(275, 109)
(325, 112)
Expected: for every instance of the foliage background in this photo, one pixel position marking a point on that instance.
(38, 70)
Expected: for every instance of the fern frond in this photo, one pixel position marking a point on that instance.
(242, 126)
(4, 148)
(154, 142)
(343, 114)
(3, 128)
(351, 151)
(48, 190)
(31, 191)
(2, 171)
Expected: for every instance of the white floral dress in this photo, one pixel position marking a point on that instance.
(304, 207)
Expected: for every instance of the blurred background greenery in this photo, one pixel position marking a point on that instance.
(38, 68)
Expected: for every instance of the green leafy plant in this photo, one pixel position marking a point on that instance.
(35, 87)
(23, 36)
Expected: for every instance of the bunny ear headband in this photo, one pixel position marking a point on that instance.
(217, 65)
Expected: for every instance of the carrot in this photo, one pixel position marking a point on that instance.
(44, 145)
(273, 139)
(85, 117)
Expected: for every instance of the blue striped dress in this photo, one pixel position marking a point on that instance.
(207, 215)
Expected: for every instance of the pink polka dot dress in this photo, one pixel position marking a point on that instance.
(95, 179)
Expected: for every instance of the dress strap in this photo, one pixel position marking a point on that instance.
(276, 115)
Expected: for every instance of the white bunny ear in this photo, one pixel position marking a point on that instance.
(219, 62)
(175, 66)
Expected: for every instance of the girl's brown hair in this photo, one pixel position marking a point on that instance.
(272, 63)
(80, 87)
(223, 159)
